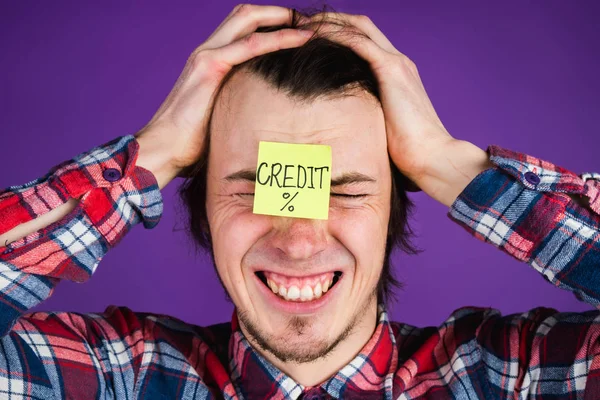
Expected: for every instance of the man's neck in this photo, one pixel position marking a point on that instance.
(318, 371)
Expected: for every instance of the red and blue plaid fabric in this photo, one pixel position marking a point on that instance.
(521, 205)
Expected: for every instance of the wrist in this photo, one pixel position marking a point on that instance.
(451, 168)
(153, 157)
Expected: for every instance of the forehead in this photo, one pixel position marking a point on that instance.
(249, 110)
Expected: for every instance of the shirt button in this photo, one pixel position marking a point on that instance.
(532, 178)
(111, 174)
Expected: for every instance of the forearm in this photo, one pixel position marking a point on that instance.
(24, 229)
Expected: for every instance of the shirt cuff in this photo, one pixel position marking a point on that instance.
(103, 166)
(536, 174)
(114, 164)
(111, 169)
(518, 202)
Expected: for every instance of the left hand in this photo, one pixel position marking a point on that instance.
(416, 137)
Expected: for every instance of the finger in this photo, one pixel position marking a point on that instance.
(256, 44)
(362, 45)
(365, 24)
(244, 20)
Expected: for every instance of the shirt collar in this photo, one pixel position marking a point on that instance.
(370, 371)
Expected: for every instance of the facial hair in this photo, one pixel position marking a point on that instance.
(298, 326)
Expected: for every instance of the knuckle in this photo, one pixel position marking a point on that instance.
(395, 65)
(280, 35)
(233, 11)
(199, 58)
(411, 64)
(251, 40)
(244, 9)
(205, 64)
(363, 18)
(198, 53)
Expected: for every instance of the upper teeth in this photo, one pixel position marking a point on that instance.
(306, 293)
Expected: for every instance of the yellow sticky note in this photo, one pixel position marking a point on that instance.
(293, 180)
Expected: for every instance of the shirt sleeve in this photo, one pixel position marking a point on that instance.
(522, 206)
(114, 194)
(538, 354)
(60, 355)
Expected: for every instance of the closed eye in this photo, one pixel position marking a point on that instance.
(352, 196)
(355, 196)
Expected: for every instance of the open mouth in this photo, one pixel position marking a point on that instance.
(299, 290)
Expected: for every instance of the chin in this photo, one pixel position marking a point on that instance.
(302, 339)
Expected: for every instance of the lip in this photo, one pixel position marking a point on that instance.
(297, 307)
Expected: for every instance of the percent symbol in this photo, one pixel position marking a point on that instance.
(286, 196)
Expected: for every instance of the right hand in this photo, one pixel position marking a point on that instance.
(174, 137)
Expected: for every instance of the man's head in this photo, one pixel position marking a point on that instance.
(320, 93)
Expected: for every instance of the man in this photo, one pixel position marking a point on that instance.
(310, 319)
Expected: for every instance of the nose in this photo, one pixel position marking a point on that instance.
(300, 238)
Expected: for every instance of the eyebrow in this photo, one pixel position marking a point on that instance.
(351, 177)
(344, 179)
(242, 175)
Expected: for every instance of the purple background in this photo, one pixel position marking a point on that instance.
(523, 76)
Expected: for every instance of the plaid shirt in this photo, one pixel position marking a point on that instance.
(520, 206)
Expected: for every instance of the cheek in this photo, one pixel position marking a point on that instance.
(234, 230)
(364, 233)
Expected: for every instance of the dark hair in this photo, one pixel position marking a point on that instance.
(319, 68)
